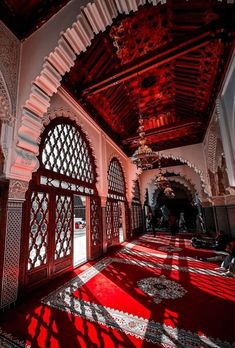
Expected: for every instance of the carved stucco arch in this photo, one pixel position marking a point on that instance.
(182, 178)
(194, 167)
(195, 186)
(94, 18)
(188, 185)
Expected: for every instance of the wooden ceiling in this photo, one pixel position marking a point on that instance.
(166, 61)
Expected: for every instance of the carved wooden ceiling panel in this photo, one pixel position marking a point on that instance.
(165, 61)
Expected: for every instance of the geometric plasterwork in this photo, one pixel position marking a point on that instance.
(12, 253)
(6, 123)
(5, 101)
(216, 162)
(211, 148)
(9, 63)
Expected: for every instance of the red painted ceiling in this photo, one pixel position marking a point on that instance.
(165, 61)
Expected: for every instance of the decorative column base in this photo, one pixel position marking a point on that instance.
(10, 275)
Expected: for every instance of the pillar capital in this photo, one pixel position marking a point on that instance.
(17, 189)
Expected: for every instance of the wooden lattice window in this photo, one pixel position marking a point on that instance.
(65, 151)
(115, 220)
(136, 192)
(38, 237)
(63, 229)
(95, 221)
(116, 181)
(136, 216)
(109, 220)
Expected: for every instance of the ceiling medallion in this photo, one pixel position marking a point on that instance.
(144, 157)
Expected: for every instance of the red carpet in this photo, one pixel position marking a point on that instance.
(151, 293)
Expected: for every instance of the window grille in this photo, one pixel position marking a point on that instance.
(116, 182)
(38, 237)
(63, 229)
(66, 152)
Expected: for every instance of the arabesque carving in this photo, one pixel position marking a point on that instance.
(17, 189)
(9, 62)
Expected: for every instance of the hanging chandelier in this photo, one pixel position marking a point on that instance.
(144, 157)
(163, 184)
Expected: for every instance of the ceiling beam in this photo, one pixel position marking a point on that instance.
(155, 58)
(165, 130)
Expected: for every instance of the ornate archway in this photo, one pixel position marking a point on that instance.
(66, 168)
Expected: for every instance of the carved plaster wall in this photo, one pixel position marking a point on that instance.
(215, 159)
(7, 121)
(225, 110)
(9, 62)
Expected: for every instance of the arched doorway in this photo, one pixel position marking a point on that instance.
(66, 176)
(116, 212)
(181, 203)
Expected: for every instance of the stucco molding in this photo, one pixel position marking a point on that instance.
(181, 178)
(194, 167)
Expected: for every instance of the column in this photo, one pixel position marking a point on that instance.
(11, 260)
